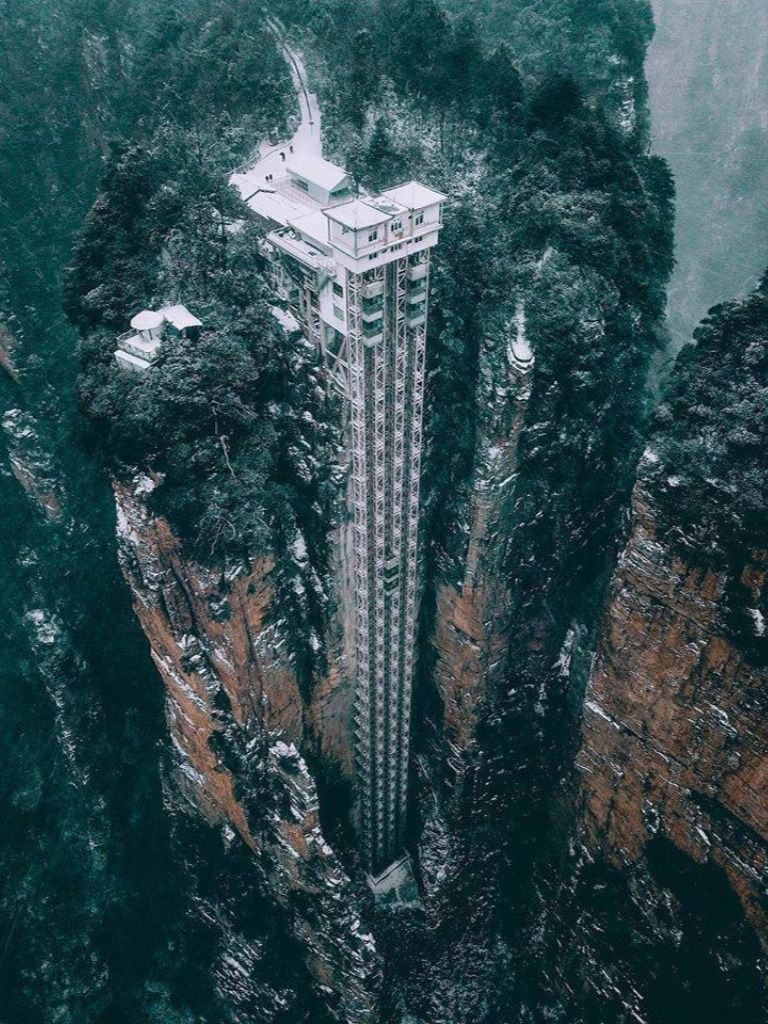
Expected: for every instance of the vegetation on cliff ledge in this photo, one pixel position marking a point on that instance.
(707, 460)
(706, 465)
(236, 424)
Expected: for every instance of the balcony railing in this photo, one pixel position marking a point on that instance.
(417, 272)
(373, 289)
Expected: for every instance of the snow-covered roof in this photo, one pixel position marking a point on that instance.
(317, 170)
(386, 204)
(357, 214)
(312, 225)
(273, 206)
(130, 361)
(414, 195)
(180, 317)
(145, 347)
(286, 319)
(147, 320)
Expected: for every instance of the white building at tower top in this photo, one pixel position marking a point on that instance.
(318, 222)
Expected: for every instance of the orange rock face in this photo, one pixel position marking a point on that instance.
(210, 629)
(675, 733)
(471, 630)
(231, 685)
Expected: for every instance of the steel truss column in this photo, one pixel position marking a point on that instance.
(385, 386)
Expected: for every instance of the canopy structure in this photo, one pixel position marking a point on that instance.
(320, 172)
(179, 317)
(147, 320)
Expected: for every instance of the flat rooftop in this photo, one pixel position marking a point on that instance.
(271, 205)
(359, 213)
(317, 170)
(414, 195)
(312, 226)
(306, 252)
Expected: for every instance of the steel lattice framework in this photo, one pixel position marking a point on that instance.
(385, 385)
(376, 255)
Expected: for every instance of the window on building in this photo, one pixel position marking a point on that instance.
(337, 289)
(373, 235)
(370, 330)
(419, 218)
(372, 256)
(418, 238)
(303, 185)
(338, 312)
(397, 225)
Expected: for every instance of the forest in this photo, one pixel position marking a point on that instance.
(122, 125)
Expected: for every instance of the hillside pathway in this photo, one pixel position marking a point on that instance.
(269, 162)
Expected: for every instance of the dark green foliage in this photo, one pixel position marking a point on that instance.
(78, 77)
(711, 437)
(442, 61)
(500, 85)
(585, 38)
(237, 422)
(362, 77)
(557, 98)
(464, 276)
(381, 163)
(165, 195)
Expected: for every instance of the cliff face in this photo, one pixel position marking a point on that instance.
(29, 461)
(675, 734)
(470, 633)
(238, 717)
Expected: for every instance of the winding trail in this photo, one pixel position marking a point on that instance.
(268, 163)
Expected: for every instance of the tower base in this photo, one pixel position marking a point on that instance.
(395, 887)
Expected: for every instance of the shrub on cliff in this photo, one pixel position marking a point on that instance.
(236, 423)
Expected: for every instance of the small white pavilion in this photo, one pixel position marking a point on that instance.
(137, 348)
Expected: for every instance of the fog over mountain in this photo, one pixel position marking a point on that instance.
(707, 71)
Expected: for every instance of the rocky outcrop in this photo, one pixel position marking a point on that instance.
(239, 719)
(30, 462)
(675, 734)
(470, 632)
(8, 345)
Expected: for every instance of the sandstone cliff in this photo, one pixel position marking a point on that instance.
(240, 719)
(675, 734)
(470, 633)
